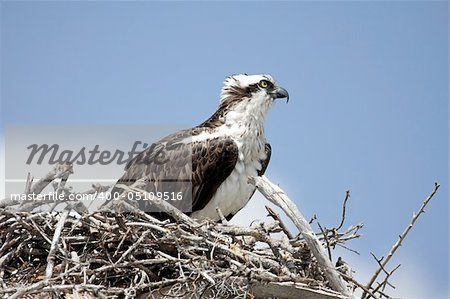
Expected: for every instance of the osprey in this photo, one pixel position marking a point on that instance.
(217, 156)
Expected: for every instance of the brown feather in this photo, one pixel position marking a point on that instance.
(196, 169)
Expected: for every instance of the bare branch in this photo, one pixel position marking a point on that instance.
(402, 237)
(28, 184)
(344, 205)
(222, 217)
(161, 204)
(386, 280)
(356, 283)
(54, 245)
(277, 217)
(59, 171)
(325, 236)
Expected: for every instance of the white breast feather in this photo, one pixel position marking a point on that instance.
(246, 129)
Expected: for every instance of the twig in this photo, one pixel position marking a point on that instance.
(121, 242)
(64, 178)
(356, 283)
(277, 217)
(348, 248)
(54, 244)
(388, 274)
(221, 216)
(42, 287)
(162, 205)
(27, 289)
(59, 171)
(133, 209)
(28, 183)
(386, 280)
(379, 263)
(133, 247)
(344, 205)
(325, 236)
(97, 188)
(402, 237)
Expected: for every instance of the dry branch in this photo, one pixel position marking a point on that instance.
(54, 244)
(344, 206)
(383, 262)
(277, 217)
(59, 171)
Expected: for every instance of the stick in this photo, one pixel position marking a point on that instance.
(277, 217)
(402, 237)
(28, 183)
(277, 196)
(349, 278)
(386, 280)
(161, 204)
(325, 236)
(55, 240)
(222, 217)
(344, 205)
(59, 171)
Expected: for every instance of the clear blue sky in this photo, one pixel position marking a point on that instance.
(368, 84)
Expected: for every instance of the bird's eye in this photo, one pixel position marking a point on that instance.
(264, 83)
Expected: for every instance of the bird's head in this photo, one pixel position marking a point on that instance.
(252, 93)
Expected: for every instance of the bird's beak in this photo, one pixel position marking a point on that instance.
(280, 93)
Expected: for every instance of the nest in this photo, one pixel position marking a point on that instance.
(133, 255)
(122, 252)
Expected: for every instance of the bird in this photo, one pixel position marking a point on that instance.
(211, 162)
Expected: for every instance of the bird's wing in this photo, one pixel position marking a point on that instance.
(265, 162)
(175, 164)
